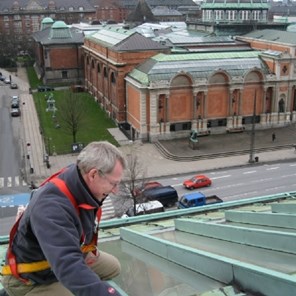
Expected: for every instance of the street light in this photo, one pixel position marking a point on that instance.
(252, 142)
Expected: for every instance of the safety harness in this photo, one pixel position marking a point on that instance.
(15, 269)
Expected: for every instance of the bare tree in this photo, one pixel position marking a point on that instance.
(134, 180)
(71, 114)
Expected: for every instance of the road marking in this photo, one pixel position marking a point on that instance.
(220, 177)
(249, 172)
(15, 181)
(274, 168)
(176, 185)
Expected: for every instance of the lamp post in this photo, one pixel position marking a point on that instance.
(252, 142)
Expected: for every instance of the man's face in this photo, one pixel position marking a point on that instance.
(101, 185)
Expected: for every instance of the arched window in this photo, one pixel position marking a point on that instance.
(281, 105)
(105, 73)
(99, 68)
(113, 80)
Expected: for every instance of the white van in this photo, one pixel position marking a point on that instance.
(150, 207)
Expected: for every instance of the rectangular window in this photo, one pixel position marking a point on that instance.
(64, 74)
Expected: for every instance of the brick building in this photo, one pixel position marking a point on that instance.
(109, 55)
(169, 95)
(20, 18)
(110, 10)
(58, 51)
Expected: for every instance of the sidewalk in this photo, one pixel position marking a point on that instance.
(155, 164)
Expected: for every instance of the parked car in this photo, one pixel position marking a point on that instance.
(145, 186)
(7, 81)
(145, 208)
(197, 199)
(42, 88)
(167, 195)
(13, 85)
(16, 98)
(2, 78)
(197, 181)
(15, 112)
(15, 102)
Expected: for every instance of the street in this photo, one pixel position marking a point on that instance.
(245, 182)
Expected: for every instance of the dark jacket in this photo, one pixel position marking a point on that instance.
(51, 229)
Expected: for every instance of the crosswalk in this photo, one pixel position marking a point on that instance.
(108, 211)
(16, 181)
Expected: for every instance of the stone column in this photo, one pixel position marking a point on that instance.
(204, 105)
(154, 125)
(143, 115)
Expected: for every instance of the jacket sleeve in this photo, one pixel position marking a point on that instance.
(56, 226)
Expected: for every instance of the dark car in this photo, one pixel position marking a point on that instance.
(43, 88)
(15, 104)
(148, 185)
(167, 195)
(15, 112)
(13, 85)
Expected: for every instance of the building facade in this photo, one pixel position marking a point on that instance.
(21, 18)
(170, 95)
(234, 11)
(109, 55)
(59, 55)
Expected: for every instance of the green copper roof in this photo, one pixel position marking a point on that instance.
(164, 67)
(47, 20)
(59, 25)
(109, 36)
(205, 56)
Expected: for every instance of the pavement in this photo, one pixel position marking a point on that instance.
(152, 161)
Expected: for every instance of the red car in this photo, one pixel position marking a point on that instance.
(197, 182)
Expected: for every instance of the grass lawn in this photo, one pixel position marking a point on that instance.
(93, 128)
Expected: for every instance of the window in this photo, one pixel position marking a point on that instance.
(249, 119)
(64, 74)
(113, 80)
(180, 126)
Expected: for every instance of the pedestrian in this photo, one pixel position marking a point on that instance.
(54, 242)
(273, 137)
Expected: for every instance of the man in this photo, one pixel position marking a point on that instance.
(58, 226)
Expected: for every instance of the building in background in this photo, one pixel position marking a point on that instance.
(109, 55)
(21, 18)
(58, 51)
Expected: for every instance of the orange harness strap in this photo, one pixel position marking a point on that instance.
(64, 189)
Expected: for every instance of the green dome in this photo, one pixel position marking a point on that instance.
(59, 25)
(47, 20)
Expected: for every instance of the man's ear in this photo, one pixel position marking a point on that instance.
(92, 174)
